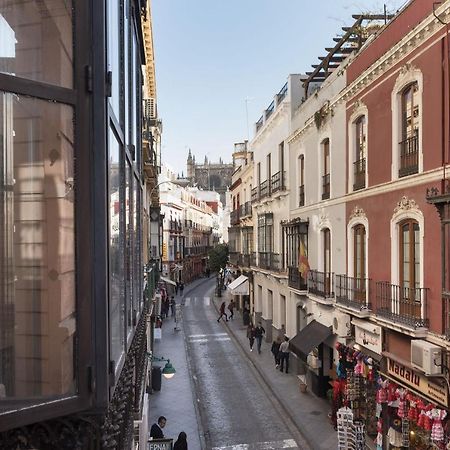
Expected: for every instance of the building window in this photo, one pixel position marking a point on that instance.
(359, 164)
(301, 180)
(326, 240)
(326, 169)
(409, 144)
(409, 261)
(38, 317)
(359, 251)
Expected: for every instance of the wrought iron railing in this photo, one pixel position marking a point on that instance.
(270, 110)
(234, 257)
(402, 304)
(259, 124)
(326, 186)
(234, 217)
(282, 93)
(277, 182)
(301, 195)
(409, 156)
(253, 260)
(246, 209)
(353, 292)
(321, 283)
(295, 280)
(264, 189)
(246, 260)
(359, 171)
(270, 261)
(255, 194)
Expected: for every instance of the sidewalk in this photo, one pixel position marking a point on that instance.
(308, 412)
(175, 400)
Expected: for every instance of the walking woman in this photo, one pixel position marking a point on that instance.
(222, 312)
(251, 335)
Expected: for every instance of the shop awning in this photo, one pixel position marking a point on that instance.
(168, 280)
(239, 286)
(309, 338)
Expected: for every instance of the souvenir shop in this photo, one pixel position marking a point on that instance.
(387, 406)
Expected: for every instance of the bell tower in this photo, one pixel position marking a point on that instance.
(190, 172)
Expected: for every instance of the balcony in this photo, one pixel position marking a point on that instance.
(270, 110)
(259, 124)
(353, 292)
(234, 217)
(403, 305)
(359, 174)
(321, 284)
(246, 260)
(234, 258)
(282, 94)
(264, 189)
(277, 182)
(175, 226)
(253, 259)
(301, 195)
(295, 280)
(326, 187)
(255, 194)
(270, 261)
(192, 251)
(409, 156)
(246, 209)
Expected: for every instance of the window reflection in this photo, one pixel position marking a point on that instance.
(36, 40)
(37, 251)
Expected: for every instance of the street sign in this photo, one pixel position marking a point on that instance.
(160, 444)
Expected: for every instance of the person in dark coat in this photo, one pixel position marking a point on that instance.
(181, 443)
(251, 335)
(156, 431)
(181, 288)
(276, 351)
(231, 308)
(259, 331)
(222, 312)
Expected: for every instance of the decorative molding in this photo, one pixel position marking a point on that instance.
(358, 213)
(406, 204)
(408, 68)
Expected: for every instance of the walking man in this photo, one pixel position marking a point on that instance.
(276, 351)
(251, 335)
(222, 312)
(284, 354)
(231, 308)
(259, 331)
(156, 431)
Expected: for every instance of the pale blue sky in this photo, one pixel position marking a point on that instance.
(211, 55)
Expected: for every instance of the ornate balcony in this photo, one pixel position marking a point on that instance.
(359, 173)
(321, 283)
(409, 156)
(404, 305)
(295, 280)
(277, 182)
(264, 189)
(353, 292)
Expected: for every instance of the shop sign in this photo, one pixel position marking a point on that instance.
(368, 335)
(160, 444)
(433, 391)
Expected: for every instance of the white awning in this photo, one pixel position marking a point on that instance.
(168, 280)
(239, 286)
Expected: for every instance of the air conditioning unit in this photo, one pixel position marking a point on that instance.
(426, 357)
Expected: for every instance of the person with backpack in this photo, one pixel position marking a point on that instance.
(231, 308)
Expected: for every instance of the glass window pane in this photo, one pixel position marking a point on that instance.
(128, 243)
(116, 310)
(37, 251)
(113, 53)
(36, 40)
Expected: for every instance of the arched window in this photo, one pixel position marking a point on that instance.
(409, 144)
(359, 164)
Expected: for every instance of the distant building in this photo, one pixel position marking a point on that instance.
(210, 176)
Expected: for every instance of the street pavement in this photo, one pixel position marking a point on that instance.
(226, 397)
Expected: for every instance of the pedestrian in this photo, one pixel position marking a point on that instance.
(276, 351)
(181, 288)
(231, 308)
(259, 331)
(177, 286)
(172, 305)
(284, 354)
(222, 312)
(246, 316)
(251, 335)
(181, 443)
(156, 431)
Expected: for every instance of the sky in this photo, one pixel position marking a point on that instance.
(212, 55)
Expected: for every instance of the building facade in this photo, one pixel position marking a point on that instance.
(73, 314)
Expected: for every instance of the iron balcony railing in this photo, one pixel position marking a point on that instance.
(259, 124)
(326, 186)
(253, 260)
(403, 305)
(269, 261)
(264, 189)
(446, 314)
(301, 195)
(234, 217)
(255, 194)
(270, 110)
(359, 171)
(409, 156)
(295, 280)
(320, 283)
(246, 260)
(277, 182)
(246, 209)
(175, 225)
(200, 250)
(234, 257)
(282, 94)
(353, 292)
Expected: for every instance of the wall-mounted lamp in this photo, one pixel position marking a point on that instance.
(168, 370)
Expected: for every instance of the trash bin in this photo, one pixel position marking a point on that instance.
(156, 378)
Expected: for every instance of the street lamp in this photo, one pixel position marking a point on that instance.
(168, 371)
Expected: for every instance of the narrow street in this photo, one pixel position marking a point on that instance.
(234, 403)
